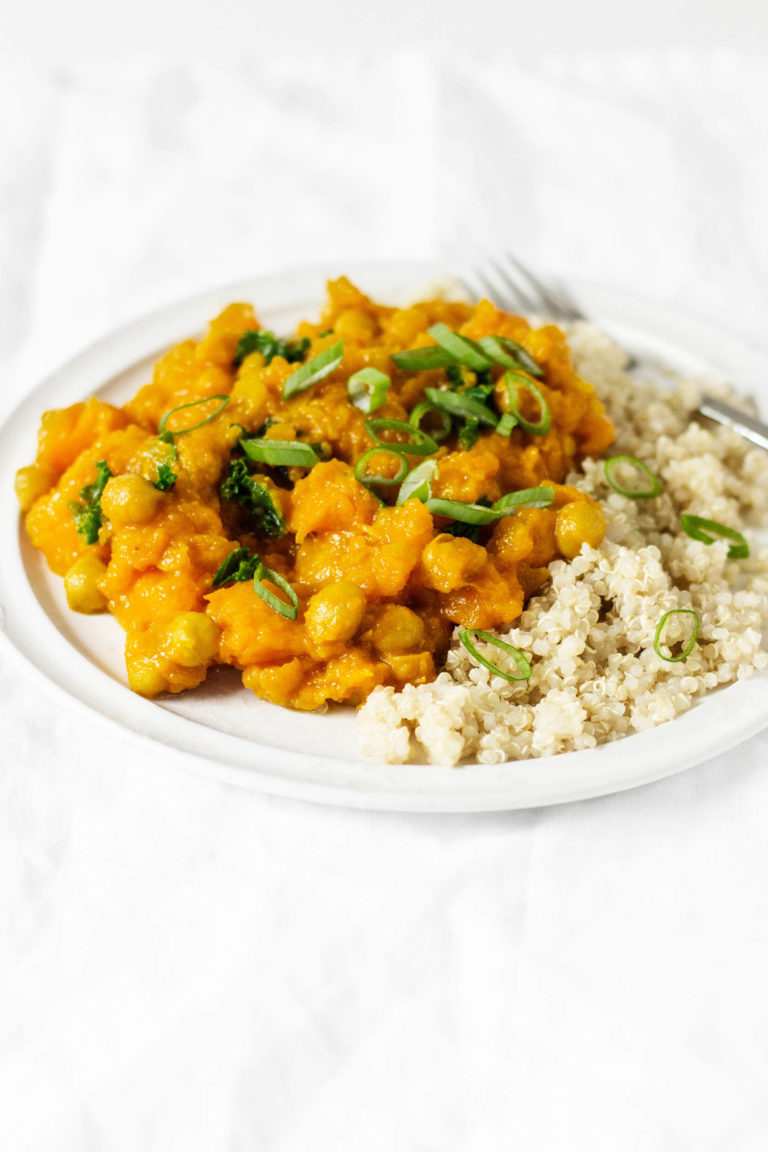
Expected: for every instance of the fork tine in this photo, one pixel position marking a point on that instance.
(558, 304)
(528, 302)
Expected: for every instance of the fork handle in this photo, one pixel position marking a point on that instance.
(749, 426)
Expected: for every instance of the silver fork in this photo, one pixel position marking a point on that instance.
(510, 284)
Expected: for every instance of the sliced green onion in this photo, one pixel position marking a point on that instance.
(649, 493)
(710, 530)
(506, 424)
(418, 443)
(164, 431)
(314, 370)
(362, 475)
(460, 348)
(418, 483)
(458, 510)
(525, 498)
(457, 404)
(368, 388)
(509, 354)
(515, 381)
(421, 410)
(289, 611)
(289, 453)
(422, 359)
(520, 659)
(658, 639)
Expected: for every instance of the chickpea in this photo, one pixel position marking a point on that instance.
(192, 639)
(451, 561)
(335, 612)
(129, 500)
(32, 483)
(82, 584)
(145, 675)
(398, 629)
(579, 523)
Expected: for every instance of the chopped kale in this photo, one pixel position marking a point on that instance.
(87, 510)
(247, 491)
(260, 340)
(455, 375)
(240, 565)
(479, 391)
(166, 478)
(468, 432)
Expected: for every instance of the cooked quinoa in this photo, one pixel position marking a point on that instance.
(590, 634)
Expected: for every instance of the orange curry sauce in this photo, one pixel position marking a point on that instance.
(380, 585)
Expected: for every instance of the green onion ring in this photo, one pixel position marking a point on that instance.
(710, 530)
(287, 453)
(418, 483)
(510, 354)
(514, 382)
(460, 348)
(419, 444)
(386, 481)
(289, 611)
(164, 432)
(649, 493)
(314, 370)
(368, 388)
(422, 359)
(519, 657)
(457, 404)
(657, 640)
(524, 498)
(459, 510)
(420, 412)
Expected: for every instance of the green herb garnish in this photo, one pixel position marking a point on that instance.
(461, 510)
(368, 389)
(461, 404)
(698, 528)
(658, 639)
(516, 383)
(417, 444)
(314, 370)
(525, 498)
(87, 511)
(241, 488)
(166, 477)
(521, 660)
(653, 484)
(240, 565)
(260, 340)
(418, 483)
(168, 435)
(365, 477)
(291, 610)
(460, 348)
(469, 433)
(510, 354)
(281, 453)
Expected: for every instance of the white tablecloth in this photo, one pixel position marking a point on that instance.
(185, 966)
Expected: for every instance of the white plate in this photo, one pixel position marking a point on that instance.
(221, 728)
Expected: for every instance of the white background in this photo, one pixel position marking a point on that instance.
(186, 966)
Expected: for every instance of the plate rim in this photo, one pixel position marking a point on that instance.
(497, 795)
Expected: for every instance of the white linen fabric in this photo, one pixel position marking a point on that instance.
(186, 966)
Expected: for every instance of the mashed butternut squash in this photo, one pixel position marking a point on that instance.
(318, 577)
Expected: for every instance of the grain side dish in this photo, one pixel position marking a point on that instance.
(418, 510)
(597, 674)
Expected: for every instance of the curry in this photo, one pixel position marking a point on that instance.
(320, 512)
